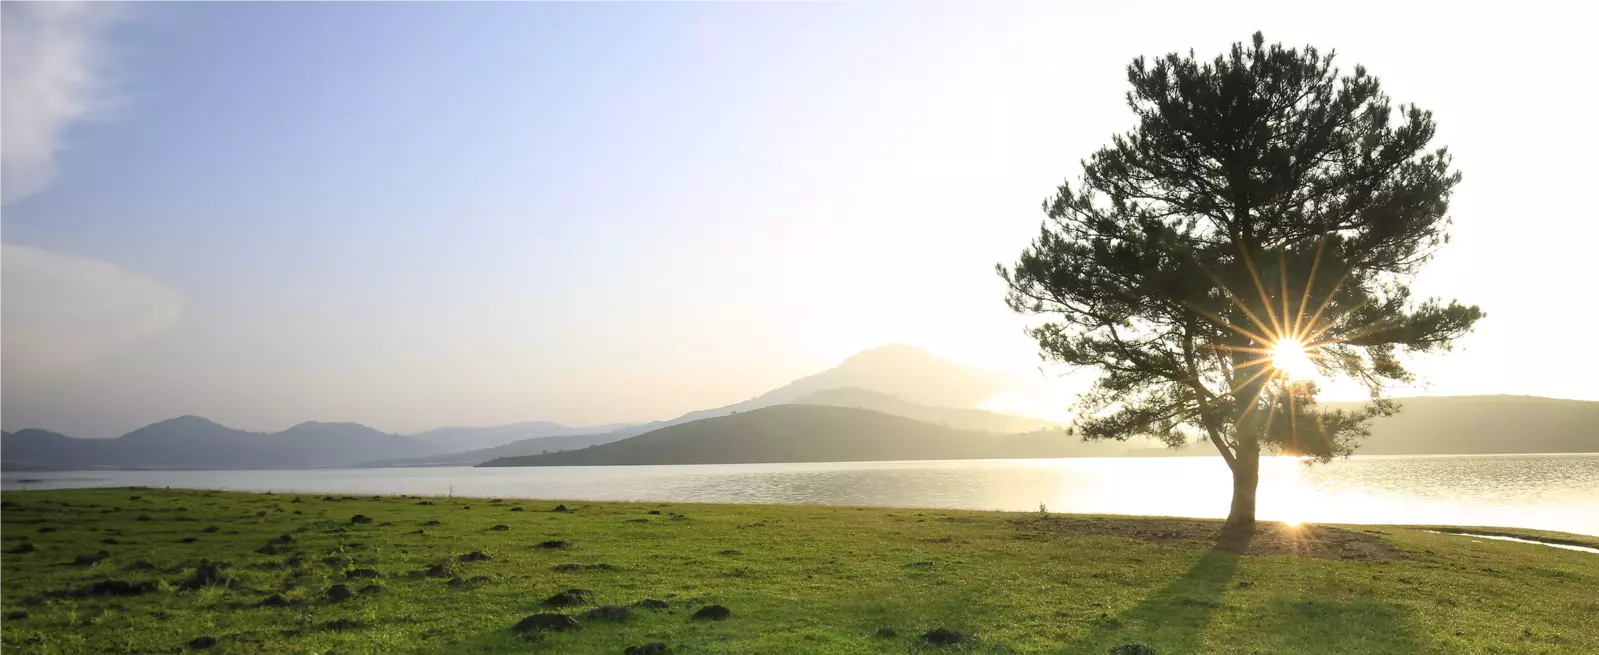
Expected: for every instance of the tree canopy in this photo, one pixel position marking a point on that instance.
(1264, 203)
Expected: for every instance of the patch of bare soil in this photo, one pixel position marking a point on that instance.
(1270, 538)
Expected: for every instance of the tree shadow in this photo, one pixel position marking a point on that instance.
(1173, 619)
(1333, 625)
(1176, 619)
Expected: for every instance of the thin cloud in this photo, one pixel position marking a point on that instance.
(54, 76)
(61, 311)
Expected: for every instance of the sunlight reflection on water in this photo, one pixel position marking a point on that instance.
(1551, 492)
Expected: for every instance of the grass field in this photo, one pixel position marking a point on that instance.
(257, 573)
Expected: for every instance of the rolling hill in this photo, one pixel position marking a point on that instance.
(959, 418)
(897, 379)
(905, 372)
(462, 439)
(812, 433)
(192, 442)
(951, 417)
(1448, 425)
(533, 446)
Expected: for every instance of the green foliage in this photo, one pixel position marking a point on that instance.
(798, 579)
(1262, 197)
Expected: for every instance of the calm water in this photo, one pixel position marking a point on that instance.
(1550, 492)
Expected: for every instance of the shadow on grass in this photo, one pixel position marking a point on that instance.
(1333, 625)
(1174, 619)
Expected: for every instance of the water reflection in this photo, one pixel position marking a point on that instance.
(1552, 492)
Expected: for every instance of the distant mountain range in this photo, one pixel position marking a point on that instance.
(191, 442)
(906, 373)
(810, 433)
(819, 433)
(1467, 425)
(464, 439)
(898, 373)
(959, 418)
(927, 401)
(952, 417)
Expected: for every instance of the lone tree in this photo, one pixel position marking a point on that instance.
(1256, 230)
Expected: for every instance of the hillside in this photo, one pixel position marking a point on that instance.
(533, 446)
(192, 442)
(1448, 425)
(896, 379)
(959, 418)
(811, 433)
(797, 433)
(905, 372)
(950, 417)
(462, 439)
(1466, 425)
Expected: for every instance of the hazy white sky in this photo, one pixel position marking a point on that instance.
(427, 214)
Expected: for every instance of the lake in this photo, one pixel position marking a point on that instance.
(1549, 492)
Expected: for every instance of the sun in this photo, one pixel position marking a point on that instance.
(1291, 360)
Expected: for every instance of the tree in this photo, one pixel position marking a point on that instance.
(1265, 210)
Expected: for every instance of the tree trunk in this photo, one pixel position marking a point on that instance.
(1240, 527)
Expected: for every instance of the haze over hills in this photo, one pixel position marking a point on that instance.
(533, 446)
(819, 433)
(959, 418)
(192, 442)
(895, 381)
(461, 439)
(950, 417)
(810, 433)
(1443, 425)
(907, 372)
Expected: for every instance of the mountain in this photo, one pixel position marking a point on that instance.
(1466, 425)
(1445, 425)
(904, 376)
(188, 442)
(192, 442)
(950, 417)
(34, 449)
(316, 443)
(812, 433)
(806, 433)
(460, 439)
(533, 446)
(898, 370)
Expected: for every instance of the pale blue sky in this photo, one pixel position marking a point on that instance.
(412, 215)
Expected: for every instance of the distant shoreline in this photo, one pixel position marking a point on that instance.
(10, 472)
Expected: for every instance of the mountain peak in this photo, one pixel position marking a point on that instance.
(35, 433)
(331, 427)
(186, 421)
(891, 354)
(186, 429)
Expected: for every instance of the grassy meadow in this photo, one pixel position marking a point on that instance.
(167, 571)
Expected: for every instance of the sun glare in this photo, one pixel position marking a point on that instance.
(1288, 356)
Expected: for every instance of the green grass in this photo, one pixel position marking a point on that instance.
(798, 579)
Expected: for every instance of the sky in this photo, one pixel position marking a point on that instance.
(421, 214)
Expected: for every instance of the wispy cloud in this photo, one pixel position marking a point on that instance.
(61, 310)
(54, 76)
